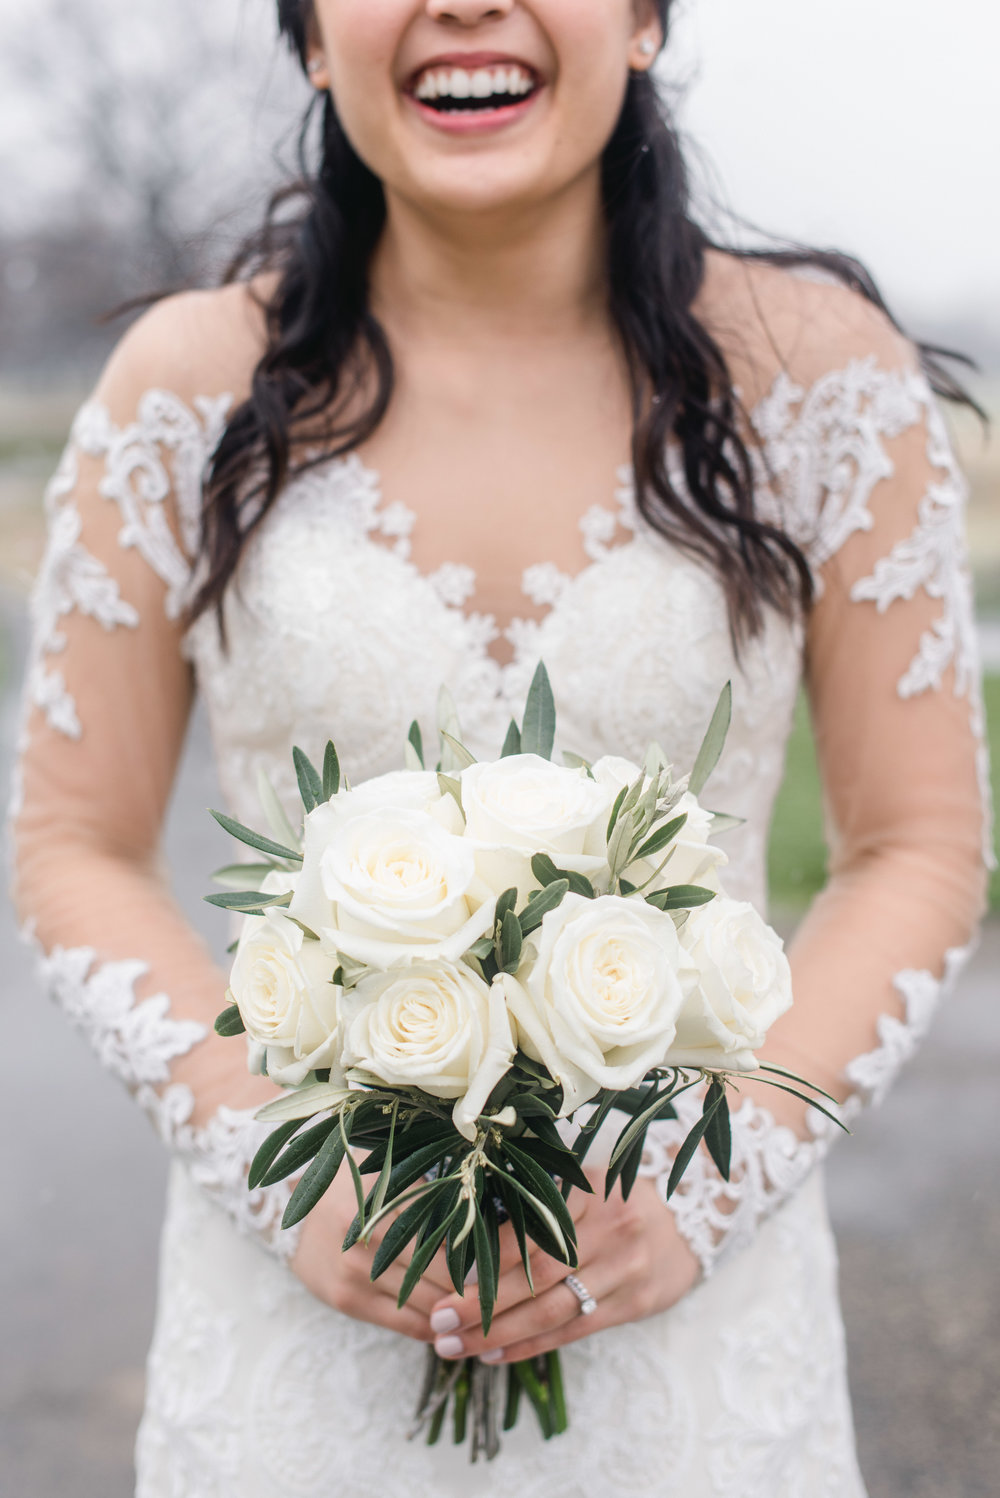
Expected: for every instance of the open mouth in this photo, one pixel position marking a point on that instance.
(450, 90)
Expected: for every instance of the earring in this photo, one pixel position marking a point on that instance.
(647, 47)
(316, 65)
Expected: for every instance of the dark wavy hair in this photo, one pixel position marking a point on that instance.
(328, 367)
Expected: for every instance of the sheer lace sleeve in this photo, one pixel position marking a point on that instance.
(106, 703)
(869, 486)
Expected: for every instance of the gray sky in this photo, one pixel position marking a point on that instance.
(873, 125)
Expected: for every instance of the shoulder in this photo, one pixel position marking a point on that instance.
(196, 346)
(771, 321)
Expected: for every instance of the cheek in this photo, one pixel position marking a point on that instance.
(361, 40)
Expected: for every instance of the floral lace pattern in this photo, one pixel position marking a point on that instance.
(137, 1042)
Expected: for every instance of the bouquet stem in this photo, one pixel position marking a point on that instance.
(481, 1406)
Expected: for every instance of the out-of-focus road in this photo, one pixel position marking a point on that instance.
(915, 1197)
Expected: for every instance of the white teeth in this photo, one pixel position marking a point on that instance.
(484, 83)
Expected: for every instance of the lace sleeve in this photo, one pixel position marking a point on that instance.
(870, 487)
(106, 701)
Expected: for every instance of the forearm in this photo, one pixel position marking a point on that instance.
(117, 956)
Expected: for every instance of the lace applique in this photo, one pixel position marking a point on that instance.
(824, 448)
(544, 583)
(770, 1162)
(454, 584)
(140, 481)
(137, 1042)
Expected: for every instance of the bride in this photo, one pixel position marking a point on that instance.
(490, 398)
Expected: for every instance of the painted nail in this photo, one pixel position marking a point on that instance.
(445, 1320)
(449, 1347)
(492, 1357)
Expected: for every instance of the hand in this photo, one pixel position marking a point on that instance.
(343, 1280)
(632, 1260)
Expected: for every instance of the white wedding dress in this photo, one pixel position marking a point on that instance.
(256, 1390)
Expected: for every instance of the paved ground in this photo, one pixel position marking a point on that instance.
(915, 1195)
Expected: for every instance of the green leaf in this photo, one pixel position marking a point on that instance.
(686, 1152)
(331, 771)
(515, 1211)
(382, 1184)
(718, 1135)
(269, 1152)
(406, 1227)
(538, 732)
(543, 1186)
(538, 1393)
(512, 743)
(436, 1233)
(714, 743)
(559, 1162)
(557, 1393)
(510, 943)
(416, 740)
(304, 1102)
(463, 757)
(540, 904)
(661, 838)
(488, 1268)
(681, 897)
(310, 783)
(316, 1181)
(629, 1168)
(577, 762)
(513, 1406)
(299, 1152)
(810, 1100)
(248, 901)
(654, 1108)
(254, 839)
(453, 788)
(619, 803)
(540, 1223)
(345, 1120)
(507, 901)
(277, 817)
(460, 1260)
(791, 1076)
(230, 1022)
(544, 869)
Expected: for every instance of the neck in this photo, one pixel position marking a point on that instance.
(537, 271)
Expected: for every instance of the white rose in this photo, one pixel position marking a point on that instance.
(436, 1027)
(523, 805)
(282, 985)
(598, 998)
(744, 984)
(392, 886)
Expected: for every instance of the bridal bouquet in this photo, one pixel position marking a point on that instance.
(448, 963)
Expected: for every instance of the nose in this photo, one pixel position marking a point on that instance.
(469, 12)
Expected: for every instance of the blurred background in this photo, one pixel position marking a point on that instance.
(137, 142)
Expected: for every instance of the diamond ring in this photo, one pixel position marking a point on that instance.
(588, 1305)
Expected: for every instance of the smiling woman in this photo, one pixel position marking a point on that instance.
(484, 393)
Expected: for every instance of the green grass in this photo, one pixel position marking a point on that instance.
(797, 857)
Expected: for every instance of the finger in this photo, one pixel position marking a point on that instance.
(612, 1310)
(545, 1315)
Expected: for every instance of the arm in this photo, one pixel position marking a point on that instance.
(891, 671)
(106, 705)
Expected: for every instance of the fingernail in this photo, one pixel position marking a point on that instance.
(445, 1320)
(472, 1278)
(492, 1357)
(449, 1347)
